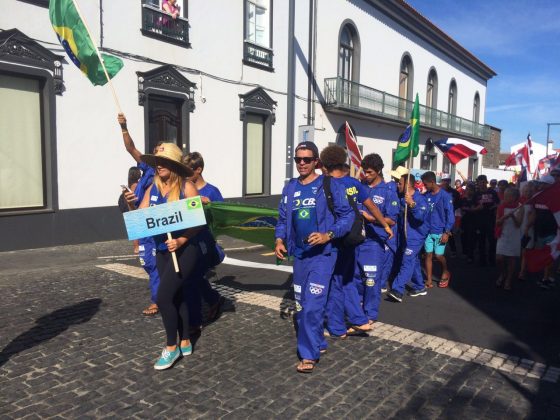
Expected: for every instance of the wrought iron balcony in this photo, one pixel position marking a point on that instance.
(254, 54)
(341, 94)
(158, 24)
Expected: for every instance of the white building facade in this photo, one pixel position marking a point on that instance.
(240, 81)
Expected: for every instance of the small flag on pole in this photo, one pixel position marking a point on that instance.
(74, 36)
(408, 142)
(353, 151)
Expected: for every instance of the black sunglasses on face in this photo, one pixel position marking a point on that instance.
(306, 160)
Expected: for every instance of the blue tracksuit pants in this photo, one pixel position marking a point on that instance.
(368, 274)
(312, 277)
(387, 267)
(147, 256)
(344, 295)
(410, 268)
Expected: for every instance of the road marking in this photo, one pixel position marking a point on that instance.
(455, 349)
(250, 264)
(112, 257)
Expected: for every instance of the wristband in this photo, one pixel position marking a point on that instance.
(124, 131)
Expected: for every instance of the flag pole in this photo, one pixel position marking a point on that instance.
(407, 186)
(173, 255)
(117, 103)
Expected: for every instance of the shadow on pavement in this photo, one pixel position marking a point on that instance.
(51, 325)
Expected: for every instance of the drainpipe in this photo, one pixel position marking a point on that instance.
(291, 93)
(100, 24)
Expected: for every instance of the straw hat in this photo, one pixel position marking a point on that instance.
(399, 172)
(170, 156)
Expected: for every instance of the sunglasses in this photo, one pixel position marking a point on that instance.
(305, 160)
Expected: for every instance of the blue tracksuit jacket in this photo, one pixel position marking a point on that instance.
(417, 228)
(325, 220)
(441, 215)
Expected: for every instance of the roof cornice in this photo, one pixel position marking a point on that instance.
(409, 18)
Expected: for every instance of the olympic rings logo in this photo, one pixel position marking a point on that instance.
(315, 290)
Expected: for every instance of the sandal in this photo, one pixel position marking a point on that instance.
(306, 366)
(151, 310)
(358, 329)
(444, 282)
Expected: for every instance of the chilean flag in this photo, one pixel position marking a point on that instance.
(457, 149)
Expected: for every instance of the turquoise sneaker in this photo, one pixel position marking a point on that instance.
(167, 358)
(186, 351)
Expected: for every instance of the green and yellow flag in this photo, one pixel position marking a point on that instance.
(408, 142)
(79, 46)
(249, 223)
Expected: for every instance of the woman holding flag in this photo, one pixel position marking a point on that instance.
(170, 185)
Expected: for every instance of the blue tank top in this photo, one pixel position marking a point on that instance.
(155, 199)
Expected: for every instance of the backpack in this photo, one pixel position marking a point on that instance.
(356, 235)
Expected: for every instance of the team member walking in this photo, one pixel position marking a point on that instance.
(344, 296)
(208, 193)
(375, 252)
(306, 229)
(440, 220)
(170, 185)
(412, 237)
(146, 246)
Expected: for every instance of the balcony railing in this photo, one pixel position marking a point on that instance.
(347, 95)
(159, 24)
(256, 54)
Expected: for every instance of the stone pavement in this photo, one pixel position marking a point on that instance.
(73, 345)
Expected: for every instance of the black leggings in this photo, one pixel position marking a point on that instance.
(170, 300)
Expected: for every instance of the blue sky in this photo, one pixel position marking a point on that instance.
(519, 40)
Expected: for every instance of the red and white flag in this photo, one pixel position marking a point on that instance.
(530, 151)
(521, 158)
(353, 151)
(538, 259)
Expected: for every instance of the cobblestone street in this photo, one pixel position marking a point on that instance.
(73, 345)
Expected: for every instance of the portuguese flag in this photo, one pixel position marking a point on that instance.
(408, 142)
(75, 38)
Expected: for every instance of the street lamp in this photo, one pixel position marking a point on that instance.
(548, 140)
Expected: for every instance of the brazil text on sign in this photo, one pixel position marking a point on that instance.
(163, 218)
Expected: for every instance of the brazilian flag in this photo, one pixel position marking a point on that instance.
(79, 46)
(408, 142)
(250, 223)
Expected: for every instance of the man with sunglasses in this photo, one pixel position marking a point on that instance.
(306, 229)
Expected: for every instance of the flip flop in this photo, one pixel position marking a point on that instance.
(151, 310)
(444, 282)
(356, 330)
(306, 366)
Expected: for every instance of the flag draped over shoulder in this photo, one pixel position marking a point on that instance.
(408, 142)
(79, 46)
(249, 223)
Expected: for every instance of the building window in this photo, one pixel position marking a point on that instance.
(446, 166)
(30, 77)
(157, 23)
(476, 108)
(406, 78)
(257, 49)
(431, 96)
(20, 118)
(428, 161)
(349, 62)
(452, 100)
(164, 121)
(168, 100)
(472, 168)
(258, 113)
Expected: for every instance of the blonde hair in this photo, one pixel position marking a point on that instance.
(175, 181)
